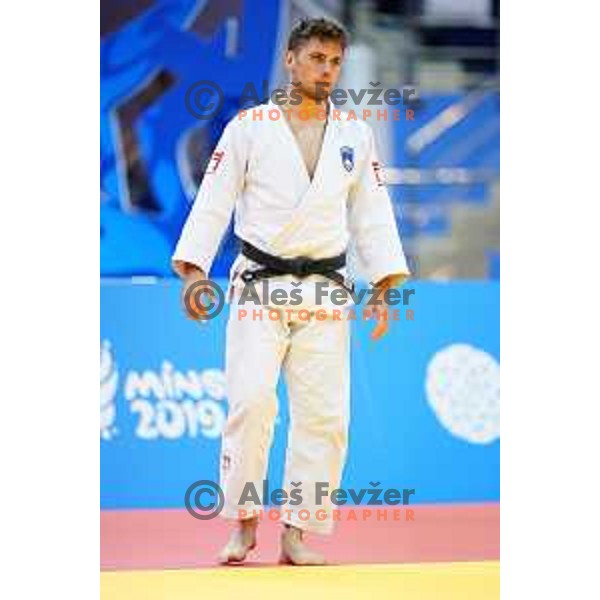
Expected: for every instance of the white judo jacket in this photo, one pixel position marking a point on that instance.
(258, 174)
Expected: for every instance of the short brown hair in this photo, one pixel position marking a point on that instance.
(323, 29)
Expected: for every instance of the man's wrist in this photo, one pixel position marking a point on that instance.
(186, 270)
(390, 281)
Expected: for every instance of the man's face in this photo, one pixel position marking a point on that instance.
(316, 64)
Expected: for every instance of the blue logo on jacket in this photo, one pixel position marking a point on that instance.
(347, 157)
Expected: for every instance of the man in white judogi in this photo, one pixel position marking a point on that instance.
(301, 183)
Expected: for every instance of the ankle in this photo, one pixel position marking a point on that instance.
(251, 523)
(292, 530)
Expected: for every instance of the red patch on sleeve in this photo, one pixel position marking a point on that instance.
(378, 172)
(215, 161)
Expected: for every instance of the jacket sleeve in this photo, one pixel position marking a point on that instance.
(372, 225)
(211, 213)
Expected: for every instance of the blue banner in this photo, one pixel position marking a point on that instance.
(425, 399)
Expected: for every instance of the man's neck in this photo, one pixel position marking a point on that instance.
(309, 106)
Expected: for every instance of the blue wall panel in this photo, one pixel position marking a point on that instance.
(163, 399)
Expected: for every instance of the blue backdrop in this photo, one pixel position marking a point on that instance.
(152, 147)
(425, 408)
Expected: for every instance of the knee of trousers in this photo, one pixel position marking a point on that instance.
(252, 406)
(324, 426)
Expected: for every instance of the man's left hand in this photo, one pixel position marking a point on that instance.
(381, 311)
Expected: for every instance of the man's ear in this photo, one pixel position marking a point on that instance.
(289, 58)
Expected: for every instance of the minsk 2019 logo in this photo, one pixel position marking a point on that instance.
(109, 378)
(163, 403)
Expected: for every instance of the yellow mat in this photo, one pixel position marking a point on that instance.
(447, 581)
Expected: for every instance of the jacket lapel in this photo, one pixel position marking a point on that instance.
(313, 190)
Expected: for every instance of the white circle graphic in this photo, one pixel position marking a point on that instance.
(463, 390)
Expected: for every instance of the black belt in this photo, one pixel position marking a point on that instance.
(301, 266)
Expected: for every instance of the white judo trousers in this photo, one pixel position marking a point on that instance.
(258, 175)
(312, 356)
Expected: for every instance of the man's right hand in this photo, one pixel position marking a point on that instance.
(191, 275)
